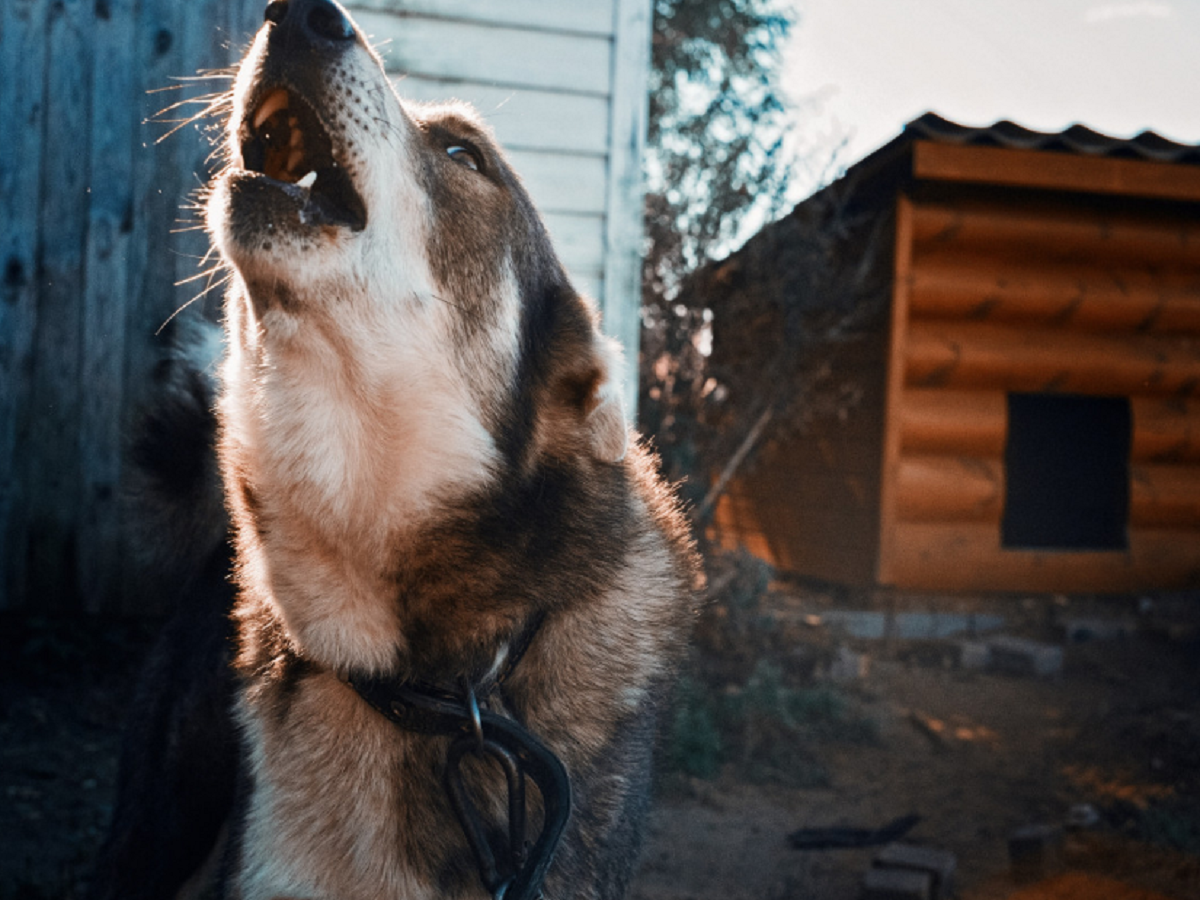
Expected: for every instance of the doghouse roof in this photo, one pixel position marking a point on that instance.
(1077, 139)
(931, 147)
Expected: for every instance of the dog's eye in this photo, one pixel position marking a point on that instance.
(463, 155)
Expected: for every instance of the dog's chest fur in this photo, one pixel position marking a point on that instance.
(330, 784)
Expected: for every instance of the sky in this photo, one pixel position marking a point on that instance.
(860, 69)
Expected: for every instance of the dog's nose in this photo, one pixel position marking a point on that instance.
(322, 20)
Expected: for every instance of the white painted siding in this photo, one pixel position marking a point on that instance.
(564, 86)
(592, 17)
(525, 119)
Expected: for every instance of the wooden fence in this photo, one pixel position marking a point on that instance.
(95, 257)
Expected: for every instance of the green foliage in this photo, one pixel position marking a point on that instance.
(777, 727)
(723, 147)
(694, 747)
(766, 730)
(718, 126)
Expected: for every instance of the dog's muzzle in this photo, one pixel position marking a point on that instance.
(283, 136)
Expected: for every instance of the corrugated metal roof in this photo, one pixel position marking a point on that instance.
(1076, 139)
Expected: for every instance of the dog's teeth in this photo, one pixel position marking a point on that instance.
(308, 180)
(294, 159)
(276, 100)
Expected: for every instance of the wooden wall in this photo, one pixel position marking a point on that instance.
(90, 207)
(997, 293)
(95, 253)
(564, 87)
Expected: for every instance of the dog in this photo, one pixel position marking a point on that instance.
(459, 588)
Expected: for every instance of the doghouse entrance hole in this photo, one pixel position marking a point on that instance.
(1067, 472)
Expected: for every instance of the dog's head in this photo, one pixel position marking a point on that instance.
(392, 238)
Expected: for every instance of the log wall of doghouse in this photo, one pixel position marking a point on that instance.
(1008, 292)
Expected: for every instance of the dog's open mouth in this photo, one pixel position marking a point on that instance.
(285, 141)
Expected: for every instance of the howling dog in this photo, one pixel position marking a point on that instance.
(458, 588)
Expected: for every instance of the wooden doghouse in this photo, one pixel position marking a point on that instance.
(1029, 406)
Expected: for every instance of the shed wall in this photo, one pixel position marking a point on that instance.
(810, 502)
(1007, 293)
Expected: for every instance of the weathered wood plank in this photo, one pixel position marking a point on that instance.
(949, 489)
(563, 183)
(156, 191)
(200, 48)
(1165, 430)
(105, 294)
(1091, 297)
(1164, 496)
(437, 48)
(524, 119)
(894, 387)
(22, 109)
(593, 17)
(622, 302)
(972, 423)
(962, 556)
(162, 181)
(51, 460)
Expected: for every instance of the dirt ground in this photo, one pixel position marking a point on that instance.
(906, 729)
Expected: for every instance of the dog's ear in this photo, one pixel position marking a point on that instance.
(586, 414)
(607, 432)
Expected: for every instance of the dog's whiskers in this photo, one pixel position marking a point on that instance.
(378, 48)
(207, 290)
(214, 105)
(224, 74)
(206, 99)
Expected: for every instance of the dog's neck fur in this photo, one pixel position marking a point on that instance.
(351, 455)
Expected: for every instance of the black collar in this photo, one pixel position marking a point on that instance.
(429, 707)
(433, 709)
